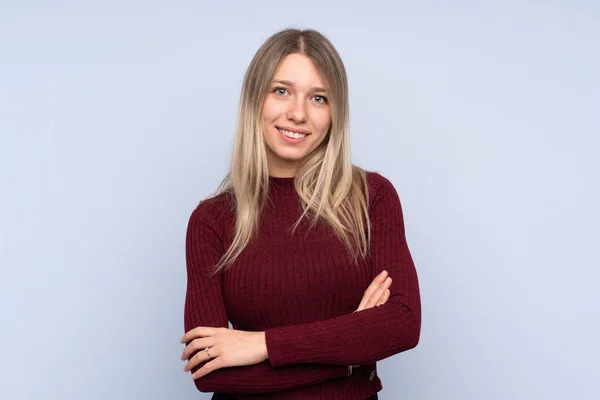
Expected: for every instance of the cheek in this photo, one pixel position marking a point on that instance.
(322, 121)
(271, 111)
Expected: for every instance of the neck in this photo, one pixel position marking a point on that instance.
(281, 169)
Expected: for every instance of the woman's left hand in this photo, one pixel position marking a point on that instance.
(227, 348)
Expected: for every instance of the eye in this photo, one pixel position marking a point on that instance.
(280, 91)
(320, 99)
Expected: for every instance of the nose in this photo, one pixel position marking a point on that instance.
(297, 111)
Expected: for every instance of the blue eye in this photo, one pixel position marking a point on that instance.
(280, 91)
(320, 99)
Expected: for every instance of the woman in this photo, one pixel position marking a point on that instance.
(287, 246)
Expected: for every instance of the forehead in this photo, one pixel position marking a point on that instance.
(300, 70)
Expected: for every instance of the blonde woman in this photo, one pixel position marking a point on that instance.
(298, 247)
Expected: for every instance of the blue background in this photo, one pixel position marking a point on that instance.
(116, 118)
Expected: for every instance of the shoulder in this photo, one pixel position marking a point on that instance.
(385, 209)
(213, 210)
(380, 187)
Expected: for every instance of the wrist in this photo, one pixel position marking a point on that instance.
(263, 342)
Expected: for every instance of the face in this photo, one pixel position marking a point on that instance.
(296, 115)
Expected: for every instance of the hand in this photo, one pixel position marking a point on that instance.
(377, 293)
(227, 348)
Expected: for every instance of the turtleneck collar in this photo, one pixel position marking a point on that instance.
(281, 185)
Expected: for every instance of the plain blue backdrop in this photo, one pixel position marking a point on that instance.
(117, 117)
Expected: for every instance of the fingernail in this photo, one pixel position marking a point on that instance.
(383, 272)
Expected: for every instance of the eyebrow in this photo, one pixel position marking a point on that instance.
(312, 89)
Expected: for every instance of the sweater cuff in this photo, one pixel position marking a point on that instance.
(274, 348)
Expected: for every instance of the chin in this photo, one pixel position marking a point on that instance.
(295, 157)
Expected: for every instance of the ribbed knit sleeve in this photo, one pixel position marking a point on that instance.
(370, 335)
(204, 306)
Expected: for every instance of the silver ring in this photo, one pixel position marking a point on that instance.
(206, 349)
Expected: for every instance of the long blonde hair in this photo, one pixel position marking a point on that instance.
(330, 188)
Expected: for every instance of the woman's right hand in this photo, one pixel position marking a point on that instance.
(377, 293)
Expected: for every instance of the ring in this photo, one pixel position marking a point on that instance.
(206, 349)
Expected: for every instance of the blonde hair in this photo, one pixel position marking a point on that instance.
(330, 188)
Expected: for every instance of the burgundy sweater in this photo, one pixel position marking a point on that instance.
(302, 289)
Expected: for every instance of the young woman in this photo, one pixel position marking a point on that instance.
(287, 246)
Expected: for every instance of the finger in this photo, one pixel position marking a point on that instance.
(207, 368)
(379, 292)
(200, 331)
(372, 294)
(379, 279)
(201, 357)
(369, 293)
(384, 297)
(196, 345)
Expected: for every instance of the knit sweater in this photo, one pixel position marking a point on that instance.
(302, 289)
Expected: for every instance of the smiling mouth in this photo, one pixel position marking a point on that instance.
(292, 134)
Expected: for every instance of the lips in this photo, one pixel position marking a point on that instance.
(291, 136)
(294, 130)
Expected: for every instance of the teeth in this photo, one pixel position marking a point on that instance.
(293, 135)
